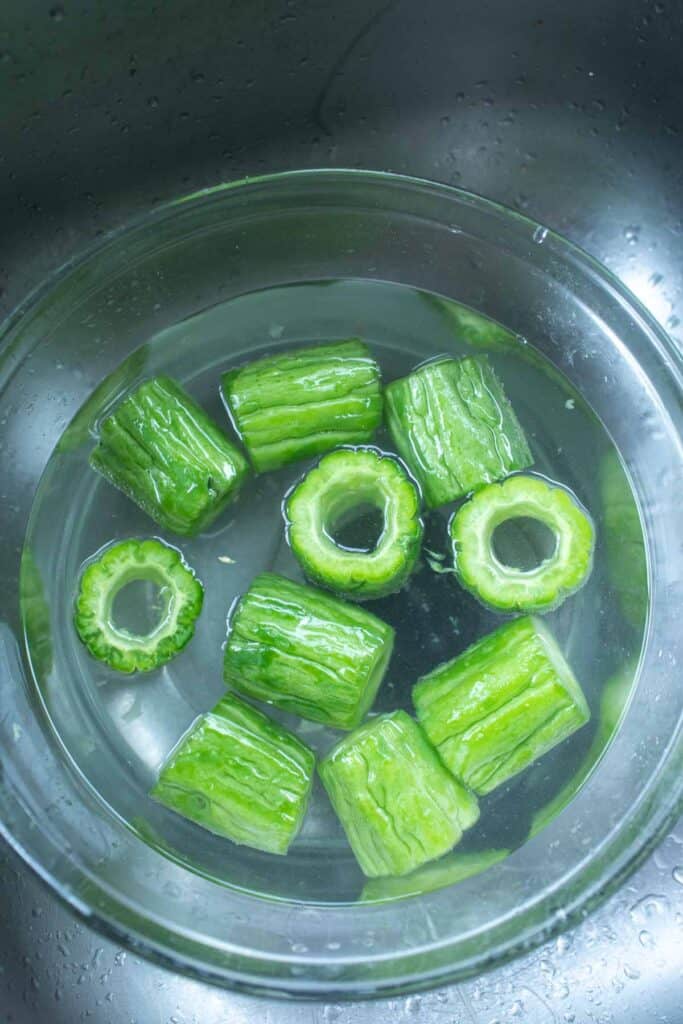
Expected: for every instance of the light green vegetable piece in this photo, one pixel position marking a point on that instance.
(612, 704)
(397, 803)
(454, 427)
(241, 775)
(345, 480)
(162, 450)
(35, 613)
(501, 704)
(307, 652)
(293, 406)
(449, 870)
(504, 587)
(624, 540)
(180, 592)
(477, 330)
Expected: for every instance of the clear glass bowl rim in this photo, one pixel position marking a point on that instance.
(616, 861)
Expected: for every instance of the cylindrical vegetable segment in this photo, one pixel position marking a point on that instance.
(624, 541)
(398, 804)
(455, 428)
(293, 406)
(501, 704)
(240, 775)
(180, 595)
(504, 587)
(306, 652)
(164, 452)
(345, 482)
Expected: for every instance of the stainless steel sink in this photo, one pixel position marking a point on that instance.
(571, 113)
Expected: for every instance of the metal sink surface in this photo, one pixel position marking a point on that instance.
(570, 113)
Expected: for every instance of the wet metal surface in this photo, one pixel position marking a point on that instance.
(570, 113)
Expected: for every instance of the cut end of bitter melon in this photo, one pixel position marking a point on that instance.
(455, 428)
(306, 652)
(504, 587)
(346, 480)
(240, 775)
(501, 704)
(130, 561)
(397, 803)
(303, 403)
(162, 450)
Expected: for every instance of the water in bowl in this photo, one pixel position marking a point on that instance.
(118, 730)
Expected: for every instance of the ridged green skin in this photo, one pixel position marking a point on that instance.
(293, 406)
(398, 804)
(501, 704)
(240, 775)
(164, 452)
(342, 480)
(454, 428)
(449, 870)
(503, 587)
(306, 652)
(114, 569)
(624, 540)
(612, 704)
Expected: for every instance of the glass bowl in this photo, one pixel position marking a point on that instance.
(266, 930)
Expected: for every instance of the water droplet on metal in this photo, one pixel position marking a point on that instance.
(646, 939)
(677, 874)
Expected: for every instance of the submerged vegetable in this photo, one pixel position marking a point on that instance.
(455, 428)
(624, 540)
(240, 775)
(129, 561)
(398, 804)
(292, 406)
(612, 705)
(501, 704)
(306, 652)
(504, 587)
(344, 481)
(449, 870)
(35, 613)
(164, 452)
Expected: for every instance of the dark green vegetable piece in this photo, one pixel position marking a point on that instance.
(306, 652)
(448, 870)
(164, 452)
(624, 540)
(241, 775)
(501, 704)
(123, 563)
(504, 587)
(293, 406)
(398, 804)
(454, 428)
(343, 481)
